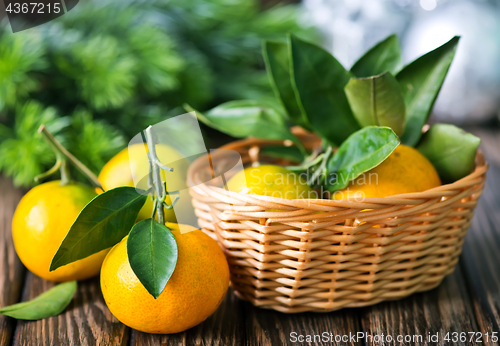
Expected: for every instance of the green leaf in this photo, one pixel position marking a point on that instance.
(277, 59)
(384, 56)
(101, 224)
(288, 153)
(247, 118)
(451, 150)
(377, 101)
(152, 253)
(362, 151)
(47, 304)
(319, 81)
(420, 82)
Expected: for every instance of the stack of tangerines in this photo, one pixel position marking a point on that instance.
(195, 289)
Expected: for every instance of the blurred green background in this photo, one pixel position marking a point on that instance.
(107, 69)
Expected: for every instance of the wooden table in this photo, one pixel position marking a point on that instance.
(467, 301)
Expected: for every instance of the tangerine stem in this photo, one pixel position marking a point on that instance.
(310, 161)
(64, 156)
(53, 170)
(156, 175)
(320, 172)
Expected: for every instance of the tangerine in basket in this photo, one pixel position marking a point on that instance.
(404, 171)
(194, 291)
(271, 180)
(41, 221)
(131, 161)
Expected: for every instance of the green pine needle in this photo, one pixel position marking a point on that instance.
(129, 64)
(103, 75)
(94, 141)
(157, 62)
(21, 54)
(25, 155)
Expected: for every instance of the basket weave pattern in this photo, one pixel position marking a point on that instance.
(322, 255)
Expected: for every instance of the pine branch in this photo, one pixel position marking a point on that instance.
(25, 155)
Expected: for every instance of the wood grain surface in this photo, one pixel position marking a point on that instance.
(466, 301)
(11, 270)
(224, 327)
(443, 310)
(86, 321)
(267, 327)
(481, 256)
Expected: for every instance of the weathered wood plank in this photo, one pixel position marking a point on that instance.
(444, 309)
(11, 270)
(269, 328)
(225, 327)
(468, 300)
(86, 321)
(481, 257)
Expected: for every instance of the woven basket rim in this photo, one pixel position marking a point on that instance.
(481, 166)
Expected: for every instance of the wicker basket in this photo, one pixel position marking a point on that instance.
(351, 254)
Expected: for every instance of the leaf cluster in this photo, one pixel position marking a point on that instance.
(105, 221)
(317, 93)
